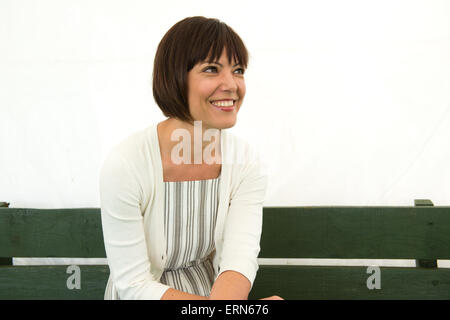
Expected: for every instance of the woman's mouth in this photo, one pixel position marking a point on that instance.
(224, 105)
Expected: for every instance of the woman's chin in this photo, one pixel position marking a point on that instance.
(225, 123)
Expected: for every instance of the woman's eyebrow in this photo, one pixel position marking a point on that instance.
(216, 62)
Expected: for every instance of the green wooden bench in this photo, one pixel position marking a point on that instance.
(420, 232)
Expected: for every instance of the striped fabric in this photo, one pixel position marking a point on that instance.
(190, 213)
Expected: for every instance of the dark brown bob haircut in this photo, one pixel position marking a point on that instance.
(188, 42)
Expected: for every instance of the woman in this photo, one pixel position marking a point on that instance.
(182, 220)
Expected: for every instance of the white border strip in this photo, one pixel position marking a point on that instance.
(58, 261)
(338, 262)
(261, 261)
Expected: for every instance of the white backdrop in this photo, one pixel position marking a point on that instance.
(348, 102)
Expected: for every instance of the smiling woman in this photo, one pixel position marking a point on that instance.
(215, 88)
(183, 230)
(198, 48)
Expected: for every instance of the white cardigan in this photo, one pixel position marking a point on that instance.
(132, 212)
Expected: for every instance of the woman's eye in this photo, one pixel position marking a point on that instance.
(214, 69)
(210, 68)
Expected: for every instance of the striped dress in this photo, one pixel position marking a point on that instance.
(190, 213)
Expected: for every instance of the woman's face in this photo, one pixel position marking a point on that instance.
(216, 92)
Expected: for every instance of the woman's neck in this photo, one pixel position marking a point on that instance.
(179, 139)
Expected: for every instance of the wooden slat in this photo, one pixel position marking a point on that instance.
(50, 282)
(51, 233)
(334, 283)
(289, 282)
(288, 232)
(356, 232)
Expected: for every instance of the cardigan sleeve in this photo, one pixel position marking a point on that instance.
(123, 232)
(243, 225)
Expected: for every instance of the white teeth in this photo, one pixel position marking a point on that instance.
(223, 103)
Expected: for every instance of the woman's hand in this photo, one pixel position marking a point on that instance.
(272, 298)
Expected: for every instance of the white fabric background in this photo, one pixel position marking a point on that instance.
(347, 101)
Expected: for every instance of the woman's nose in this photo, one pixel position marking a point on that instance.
(228, 82)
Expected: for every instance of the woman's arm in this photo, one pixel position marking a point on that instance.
(172, 294)
(124, 233)
(230, 285)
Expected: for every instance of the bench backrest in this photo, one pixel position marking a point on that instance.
(288, 232)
